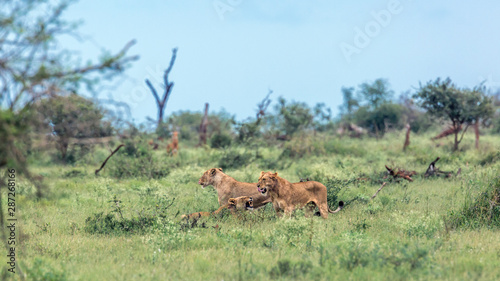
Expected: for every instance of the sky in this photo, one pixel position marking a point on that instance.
(231, 52)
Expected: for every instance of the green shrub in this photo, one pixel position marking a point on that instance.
(491, 158)
(233, 159)
(288, 269)
(139, 162)
(115, 222)
(42, 271)
(484, 211)
(220, 141)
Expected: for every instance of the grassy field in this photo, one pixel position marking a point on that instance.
(417, 230)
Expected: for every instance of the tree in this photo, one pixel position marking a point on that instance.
(350, 102)
(460, 106)
(377, 93)
(161, 104)
(34, 66)
(378, 120)
(72, 116)
(250, 128)
(293, 116)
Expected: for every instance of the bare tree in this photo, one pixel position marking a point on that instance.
(162, 103)
(203, 127)
(407, 139)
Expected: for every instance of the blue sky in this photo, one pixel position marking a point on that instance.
(232, 51)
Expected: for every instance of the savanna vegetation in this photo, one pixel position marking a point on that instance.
(76, 221)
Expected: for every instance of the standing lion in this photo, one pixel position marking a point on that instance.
(173, 147)
(288, 196)
(227, 187)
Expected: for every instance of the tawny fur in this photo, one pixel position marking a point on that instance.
(241, 203)
(173, 147)
(227, 187)
(287, 196)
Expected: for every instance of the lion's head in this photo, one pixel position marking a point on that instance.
(241, 203)
(267, 181)
(208, 177)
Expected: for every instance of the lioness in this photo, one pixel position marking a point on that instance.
(288, 196)
(234, 205)
(227, 187)
(173, 147)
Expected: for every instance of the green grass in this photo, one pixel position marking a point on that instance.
(405, 233)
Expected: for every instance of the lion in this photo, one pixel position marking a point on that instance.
(242, 203)
(227, 187)
(173, 147)
(288, 196)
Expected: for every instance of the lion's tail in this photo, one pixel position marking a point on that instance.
(340, 207)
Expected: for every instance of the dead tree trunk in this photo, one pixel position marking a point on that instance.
(407, 139)
(262, 107)
(105, 161)
(431, 169)
(162, 103)
(203, 127)
(375, 195)
(476, 131)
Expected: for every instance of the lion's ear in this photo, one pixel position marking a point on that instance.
(275, 174)
(220, 169)
(212, 172)
(231, 201)
(261, 173)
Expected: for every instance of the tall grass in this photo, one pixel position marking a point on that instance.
(432, 228)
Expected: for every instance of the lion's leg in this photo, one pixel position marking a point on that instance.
(309, 210)
(289, 211)
(277, 210)
(323, 210)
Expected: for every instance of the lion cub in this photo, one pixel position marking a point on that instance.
(288, 196)
(227, 187)
(242, 203)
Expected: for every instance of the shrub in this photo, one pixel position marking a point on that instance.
(220, 141)
(233, 159)
(483, 211)
(41, 271)
(114, 222)
(289, 269)
(139, 161)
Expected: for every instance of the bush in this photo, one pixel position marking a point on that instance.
(484, 211)
(233, 159)
(289, 269)
(138, 161)
(41, 271)
(220, 141)
(114, 222)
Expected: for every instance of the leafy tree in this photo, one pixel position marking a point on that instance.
(251, 128)
(70, 117)
(322, 117)
(413, 115)
(350, 102)
(378, 120)
(33, 66)
(293, 116)
(376, 93)
(442, 99)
